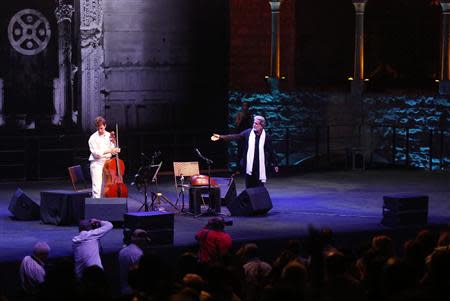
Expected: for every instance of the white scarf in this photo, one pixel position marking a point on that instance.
(251, 154)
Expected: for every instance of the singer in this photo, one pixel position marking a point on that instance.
(258, 152)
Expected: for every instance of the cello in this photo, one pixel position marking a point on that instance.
(113, 173)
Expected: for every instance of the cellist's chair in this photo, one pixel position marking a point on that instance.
(180, 171)
(77, 178)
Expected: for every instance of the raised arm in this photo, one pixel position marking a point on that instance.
(240, 136)
(104, 227)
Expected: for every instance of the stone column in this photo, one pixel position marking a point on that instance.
(63, 90)
(444, 83)
(92, 55)
(357, 85)
(2, 120)
(274, 76)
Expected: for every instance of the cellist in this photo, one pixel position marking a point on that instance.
(102, 148)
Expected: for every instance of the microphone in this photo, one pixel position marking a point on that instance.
(198, 153)
(202, 157)
(182, 182)
(145, 157)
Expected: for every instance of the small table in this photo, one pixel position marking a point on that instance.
(195, 198)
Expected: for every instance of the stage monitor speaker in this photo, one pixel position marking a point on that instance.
(107, 209)
(159, 226)
(251, 201)
(23, 207)
(227, 189)
(405, 209)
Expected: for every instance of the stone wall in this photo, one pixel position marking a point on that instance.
(419, 125)
(163, 61)
(307, 124)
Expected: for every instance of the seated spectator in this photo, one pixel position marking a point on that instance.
(94, 284)
(185, 294)
(218, 284)
(213, 241)
(291, 286)
(427, 242)
(383, 246)
(370, 267)
(86, 245)
(154, 277)
(444, 239)
(340, 284)
(439, 274)
(61, 282)
(414, 258)
(442, 246)
(194, 282)
(130, 255)
(398, 279)
(256, 272)
(187, 264)
(32, 269)
(281, 261)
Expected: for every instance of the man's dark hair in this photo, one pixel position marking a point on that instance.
(99, 120)
(84, 225)
(87, 225)
(216, 223)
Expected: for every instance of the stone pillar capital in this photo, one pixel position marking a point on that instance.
(64, 12)
(275, 4)
(360, 6)
(445, 5)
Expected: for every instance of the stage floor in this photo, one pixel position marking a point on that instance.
(348, 202)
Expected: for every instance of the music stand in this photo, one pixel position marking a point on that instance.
(182, 170)
(142, 178)
(157, 196)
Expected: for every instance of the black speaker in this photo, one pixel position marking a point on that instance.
(107, 209)
(405, 209)
(159, 226)
(23, 207)
(227, 189)
(251, 201)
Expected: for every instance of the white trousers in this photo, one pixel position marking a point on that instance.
(97, 178)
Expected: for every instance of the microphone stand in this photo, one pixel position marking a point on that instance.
(145, 197)
(143, 175)
(210, 211)
(181, 194)
(142, 178)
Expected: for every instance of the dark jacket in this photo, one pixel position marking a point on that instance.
(269, 154)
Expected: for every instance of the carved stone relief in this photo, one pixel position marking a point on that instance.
(62, 86)
(29, 32)
(92, 56)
